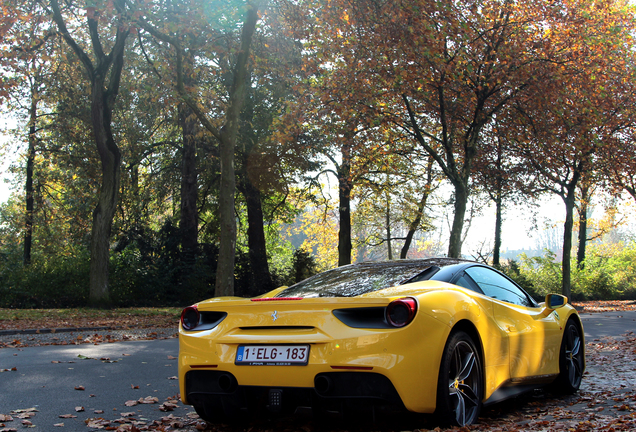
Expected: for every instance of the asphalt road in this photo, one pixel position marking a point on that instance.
(617, 323)
(46, 377)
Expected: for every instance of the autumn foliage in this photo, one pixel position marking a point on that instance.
(160, 133)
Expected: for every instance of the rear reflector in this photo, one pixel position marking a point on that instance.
(365, 368)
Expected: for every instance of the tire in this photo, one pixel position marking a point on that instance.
(571, 360)
(460, 383)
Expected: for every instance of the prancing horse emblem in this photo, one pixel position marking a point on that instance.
(275, 315)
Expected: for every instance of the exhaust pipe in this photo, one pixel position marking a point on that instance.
(227, 383)
(323, 385)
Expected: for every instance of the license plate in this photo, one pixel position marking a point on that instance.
(272, 355)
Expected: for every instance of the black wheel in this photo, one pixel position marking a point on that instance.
(460, 384)
(571, 360)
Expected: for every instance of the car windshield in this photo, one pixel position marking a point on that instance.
(356, 279)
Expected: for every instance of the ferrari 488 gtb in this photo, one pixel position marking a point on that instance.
(439, 336)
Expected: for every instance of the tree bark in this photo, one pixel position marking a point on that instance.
(498, 198)
(189, 217)
(344, 208)
(461, 200)
(227, 247)
(261, 279)
(498, 222)
(108, 195)
(388, 227)
(566, 285)
(580, 253)
(28, 223)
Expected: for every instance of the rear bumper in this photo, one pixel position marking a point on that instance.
(220, 393)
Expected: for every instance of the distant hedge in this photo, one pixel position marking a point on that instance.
(138, 277)
(608, 273)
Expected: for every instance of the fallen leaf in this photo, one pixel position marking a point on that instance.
(79, 408)
(171, 357)
(131, 403)
(67, 416)
(27, 410)
(97, 423)
(59, 425)
(80, 388)
(148, 400)
(166, 406)
(134, 387)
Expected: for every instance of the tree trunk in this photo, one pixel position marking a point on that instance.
(414, 226)
(227, 247)
(110, 156)
(261, 279)
(344, 208)
(189, 218)
(566, 288)
(580, 254)
(498, 205)
(388, 227)
(498, 222)
(461, 200)
(28, 223)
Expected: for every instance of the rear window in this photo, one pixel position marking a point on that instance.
(356, 279)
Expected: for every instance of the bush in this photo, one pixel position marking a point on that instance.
(59, 281)
(608, 273)
(147, 268)
(542, 274)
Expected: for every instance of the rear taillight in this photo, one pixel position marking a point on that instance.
(401, 312)
(190, 317)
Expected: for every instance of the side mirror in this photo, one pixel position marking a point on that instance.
(555, 301)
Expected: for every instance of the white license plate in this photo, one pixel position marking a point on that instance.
(272, 355)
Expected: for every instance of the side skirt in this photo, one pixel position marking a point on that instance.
(516, 387)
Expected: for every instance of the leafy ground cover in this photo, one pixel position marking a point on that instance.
(22, 319)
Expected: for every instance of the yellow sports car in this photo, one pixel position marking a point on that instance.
(441, 336)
